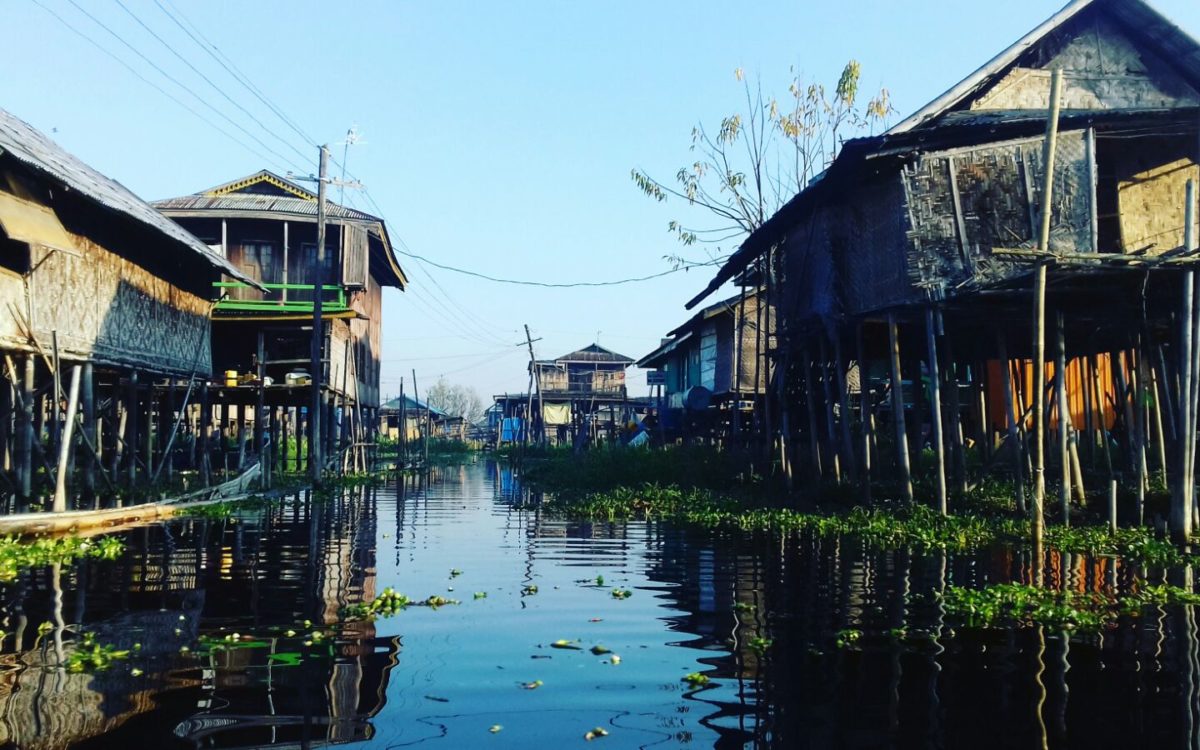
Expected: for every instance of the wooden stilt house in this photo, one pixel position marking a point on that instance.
(266, 227)
(91, 276)
(915, 254)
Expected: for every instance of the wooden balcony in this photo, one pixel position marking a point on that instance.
(279, 299)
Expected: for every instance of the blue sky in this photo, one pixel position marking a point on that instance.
(496, 136)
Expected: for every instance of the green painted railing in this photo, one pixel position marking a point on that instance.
(279, 298)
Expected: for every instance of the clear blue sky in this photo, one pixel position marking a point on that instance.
(498, 136)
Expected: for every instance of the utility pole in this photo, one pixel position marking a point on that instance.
(535, 378)
(315, 458)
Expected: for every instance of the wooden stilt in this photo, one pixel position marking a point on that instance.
(958, 451)
(66, 443)
(865, 417)
(1100, 411)
(935, 414)
(148, 423)
(88, 401)
(240, 431)
(839, 369)
(25, 435)
(902, 458)
(830, 427)
(1064, 418)
(203, 434)
(131, 429)
(814, 439)
(1012, 417)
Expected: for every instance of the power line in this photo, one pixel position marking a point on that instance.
(181, 85)
(230, 67)
(208, 80)
(562, 285)
(150, 83)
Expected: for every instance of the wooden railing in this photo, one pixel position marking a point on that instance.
(279, 298)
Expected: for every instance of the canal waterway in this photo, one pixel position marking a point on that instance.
(241, 632)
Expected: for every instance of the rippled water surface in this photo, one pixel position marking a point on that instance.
(448, 676)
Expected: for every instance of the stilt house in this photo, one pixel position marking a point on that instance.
(935, 226)
(91, 275)
(571, 391)
(266, 228)
(713, 369)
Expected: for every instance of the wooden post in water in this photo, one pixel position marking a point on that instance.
(1039, 326)
(203, 434)
(864, 394)
(25, 436)
(902, 459)
(131, 428)
(1112, 506)
(1181, 507)
(958, 451)
(1064, 418)
(260, 442)
(1012, 415)
(839, 368)
(814, 441)
(64, 448)
(830, 427)
(88, 403)
(935, 414)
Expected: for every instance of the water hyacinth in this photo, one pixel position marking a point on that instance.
(17, 554)
(916, 527)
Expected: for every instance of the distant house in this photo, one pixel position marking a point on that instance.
(713, 366)
(571, 392)
(266, 228)
(91, 275)
(410, 413)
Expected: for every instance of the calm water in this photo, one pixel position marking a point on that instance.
(442, 678)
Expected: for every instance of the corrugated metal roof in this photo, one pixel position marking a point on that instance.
(27, 144)
(277, 204)
(592, 353)
(231, 200)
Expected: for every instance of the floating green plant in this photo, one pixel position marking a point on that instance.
(565, 644)
(529, 590)
(1019, 605)
(90, 656)
(621, 593)
(17, 554)
(847, 637)
(595, 733)
(759, 645)
(696, 679)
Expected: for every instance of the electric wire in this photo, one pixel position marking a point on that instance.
(137, 74)
(230, 67)
(283, 159)
(208, 80)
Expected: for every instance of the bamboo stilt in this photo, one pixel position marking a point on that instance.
(935, 418)
(66, 443)
(902, 457)
(1064, 419)
(1012, 418)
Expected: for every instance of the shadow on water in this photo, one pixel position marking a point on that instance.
(760, 615)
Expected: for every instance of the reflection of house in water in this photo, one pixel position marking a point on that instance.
(211, 573)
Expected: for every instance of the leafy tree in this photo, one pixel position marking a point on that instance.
(757, 160)
(456, 400)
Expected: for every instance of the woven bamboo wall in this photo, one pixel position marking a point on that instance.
(963, 203)
(107, 309)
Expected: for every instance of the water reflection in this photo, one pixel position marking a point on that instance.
(759, 614)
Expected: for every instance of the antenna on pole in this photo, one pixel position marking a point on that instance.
(352, 139)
